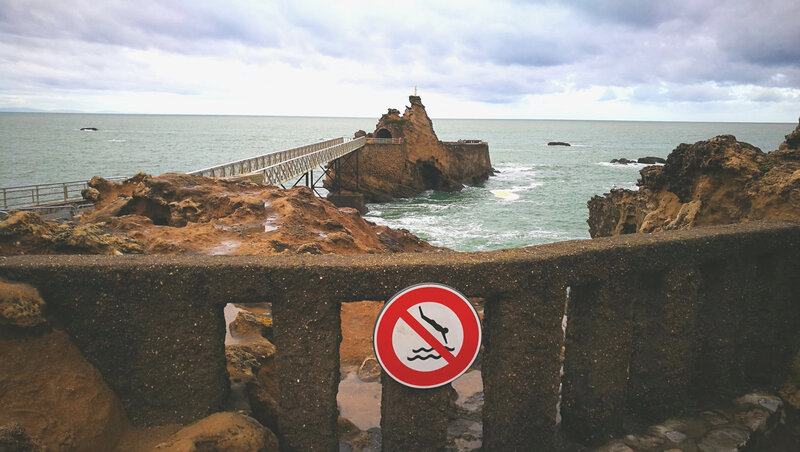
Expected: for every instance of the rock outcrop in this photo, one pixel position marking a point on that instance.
(224, 432)
(47, 388)
(417, 163)
(717, 181)
(184, 214)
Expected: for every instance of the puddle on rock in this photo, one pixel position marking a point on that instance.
(224, 248)
(360, 401)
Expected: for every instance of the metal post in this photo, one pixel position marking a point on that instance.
(66, 195)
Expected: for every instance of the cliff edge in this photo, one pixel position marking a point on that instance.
(717, 181)
(404, 157)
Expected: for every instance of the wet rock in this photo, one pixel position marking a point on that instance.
(225, 431)
(622, 161)
(370, 370)
(14, 439)
(650, 160)
(367, 441)
(20, 305)
(724, 439)
(558, 143)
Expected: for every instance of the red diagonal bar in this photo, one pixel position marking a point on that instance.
(427, 336)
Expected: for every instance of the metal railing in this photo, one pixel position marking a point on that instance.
(293, 168)
(67, 192)
(43, 194)
(255, 164)
(398, 140)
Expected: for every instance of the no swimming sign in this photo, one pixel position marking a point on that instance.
(427, 335)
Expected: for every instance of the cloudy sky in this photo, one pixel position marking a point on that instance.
(736, 60)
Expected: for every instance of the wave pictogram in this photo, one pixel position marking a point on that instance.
(428, 350)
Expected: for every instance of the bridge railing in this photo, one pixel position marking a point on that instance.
(43, 194)
(253, 164)
(293, 168)
(656, 324)
(398, 140)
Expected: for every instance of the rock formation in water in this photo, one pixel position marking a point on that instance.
(717, 181)
(184, 214)
(417, 163)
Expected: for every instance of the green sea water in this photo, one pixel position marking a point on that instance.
(546, 187)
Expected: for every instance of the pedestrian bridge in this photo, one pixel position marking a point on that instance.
(289, 166)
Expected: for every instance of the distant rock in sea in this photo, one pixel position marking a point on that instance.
(89, 129)
(651, 160)
(558, 143)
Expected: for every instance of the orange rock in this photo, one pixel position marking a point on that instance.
(184, 214)
(717, 181)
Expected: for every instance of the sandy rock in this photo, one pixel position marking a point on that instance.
(717, 181)
(222, 432)
(56, 395)
(792, 140)
(358, 321)
(14, 439)
(369, 370)
(25, 232)
(249, 324)
(244, 360)
(184, 214)
(20, 305)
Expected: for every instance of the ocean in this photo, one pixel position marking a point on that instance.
(543, 189)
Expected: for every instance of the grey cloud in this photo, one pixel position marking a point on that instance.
(496, 52)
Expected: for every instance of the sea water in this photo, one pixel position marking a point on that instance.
(538, 196)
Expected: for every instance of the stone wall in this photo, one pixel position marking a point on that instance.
(681, 319)
(465, 157)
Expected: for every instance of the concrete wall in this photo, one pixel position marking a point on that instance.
(666, 321)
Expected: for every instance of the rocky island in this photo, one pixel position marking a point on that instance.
(404, 157)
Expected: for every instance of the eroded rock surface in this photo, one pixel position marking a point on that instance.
(717, 181)
(224, 432)
(184, 214)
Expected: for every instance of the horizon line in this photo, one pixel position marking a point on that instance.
(76, 112)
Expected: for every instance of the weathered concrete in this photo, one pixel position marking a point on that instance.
(154, 327)
(744, 425)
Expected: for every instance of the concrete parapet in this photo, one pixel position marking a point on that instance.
(682, 318)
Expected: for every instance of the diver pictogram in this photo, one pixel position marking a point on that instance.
(427, 335)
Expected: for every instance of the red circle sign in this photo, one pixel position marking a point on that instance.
(427, 335)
